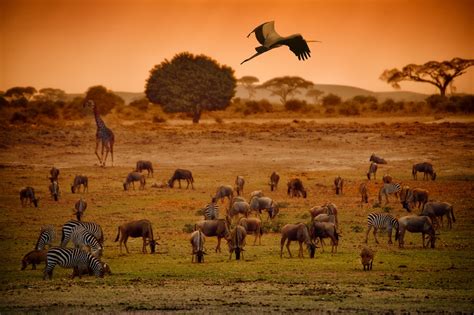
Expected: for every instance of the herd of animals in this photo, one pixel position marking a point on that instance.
(236, 224)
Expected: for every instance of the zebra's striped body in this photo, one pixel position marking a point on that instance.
(46, 237)
(381, 220)
(92, 227)
(389, 189)
(71, 258)
(80, 237)
(211, 211)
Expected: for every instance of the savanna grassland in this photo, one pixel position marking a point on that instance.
(402, 280)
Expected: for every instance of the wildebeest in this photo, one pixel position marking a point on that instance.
(236, 242)
(253, 226)
(28, 194)
(367, 258)
(258, 204)
(197, 243)
(132, 178)
(416, 224)
(372, 170)
(363, 191)
(297, 232)
(239, 185)
(34, 258)
(338, 184)
(54, 174)
(415, 196)
(426, 168)
(296, 188)
(181, 174)
(210, 228)
(274, 179)
(54, 190)
(387, 179)
(239, 207)
(80, 206)
(436, 210)
(376, 159)
(223, 192)
(144, 165)
(78, 181)
(139, 228)
(323, 230)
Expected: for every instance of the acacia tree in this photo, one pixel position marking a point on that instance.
(191, 84)
(248, 82)
(105, 99)
(286, 86)
(440, 74)
(314, 94)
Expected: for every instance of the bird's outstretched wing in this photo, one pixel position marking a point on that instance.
(265, 33)
(298, 46)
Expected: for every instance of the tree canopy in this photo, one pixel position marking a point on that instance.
(248, 82)
(439, 74)
(285, 87)
(191, 84)
(105, 99)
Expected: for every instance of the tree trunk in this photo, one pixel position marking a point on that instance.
(442, 90)
(197, 114)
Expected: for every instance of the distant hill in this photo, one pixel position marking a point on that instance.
(344, 91)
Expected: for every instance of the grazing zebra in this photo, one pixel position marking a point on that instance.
(46, 237)
(381, 221)
(71, 258)
(92, 227)
(80, 237)
(389, 189)
(211, 211)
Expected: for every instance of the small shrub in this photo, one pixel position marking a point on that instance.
(199, 212)
(188, 228)
(18, 117)
(158, 119)
(295, 105)
(140, 104)
(219, 120)
(386, 209)
(349, 109)
(255, 107)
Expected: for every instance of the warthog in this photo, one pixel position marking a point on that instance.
(239, 185)
(34, 258)
(253, 226)
(296, 188)
(140, 228)
(28, 194)
(236, 242)
(376, 159)
(210, 228)
(197, 243)
(132, 178)
(367, 258)
(338, 184)
(416, 224)
(296, 232)
(78, 181)
(426, 168)
(274, 179)
(180, 174)
(436, 210)
(144, 165)
(323, 230)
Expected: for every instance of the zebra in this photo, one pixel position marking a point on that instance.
(381, 220)
(71, 258)
(92, 227)
(46, 237)
(389, 189)
(211, 211)
(80, 237)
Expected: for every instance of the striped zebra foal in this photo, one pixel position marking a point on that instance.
(211, 211)
(46, 237)
(92, 227)
(71, 258)
(81, 237)
(389, 189)
(381, 221)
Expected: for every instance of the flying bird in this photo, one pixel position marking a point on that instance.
(270, 39)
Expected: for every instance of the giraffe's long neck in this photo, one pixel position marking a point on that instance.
(100, 123)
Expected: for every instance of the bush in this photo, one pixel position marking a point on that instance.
(349, 109)
(158, 119)
(295, 105)
(331, 100)
(140, 104)
(255, 107)
(18, 117)
(75, 109)
(188, 228)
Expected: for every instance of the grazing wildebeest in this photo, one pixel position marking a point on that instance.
(89, 271)
(367, 258)
(140, 228)
(426, 168)
(376, 159)
(54, 190)
(236, 242)
(54, 174)
(258, 204)
(436, 210)
(210, 228)
(223, 192)
(338, 184)
(415, 196)
(28, 194)
(253, 226)
(323, 230)
(372, 170)
(132, 178)
(180, 174)
(239, 207)
(296, 188)
(80, 206)
(144, 165)
(416, 224)
(197, 243)
(239, 185)
(78, 181)
(296, 232)
(364, 193)
(274, 179)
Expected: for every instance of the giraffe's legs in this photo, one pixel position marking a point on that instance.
(97, 141)
(102, 154)
(107, 149)
(112, 152)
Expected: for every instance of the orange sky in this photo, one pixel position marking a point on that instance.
(74, 44)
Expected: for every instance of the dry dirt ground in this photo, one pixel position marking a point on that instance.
(410, 279)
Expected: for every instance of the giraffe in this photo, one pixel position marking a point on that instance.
(104, 135)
